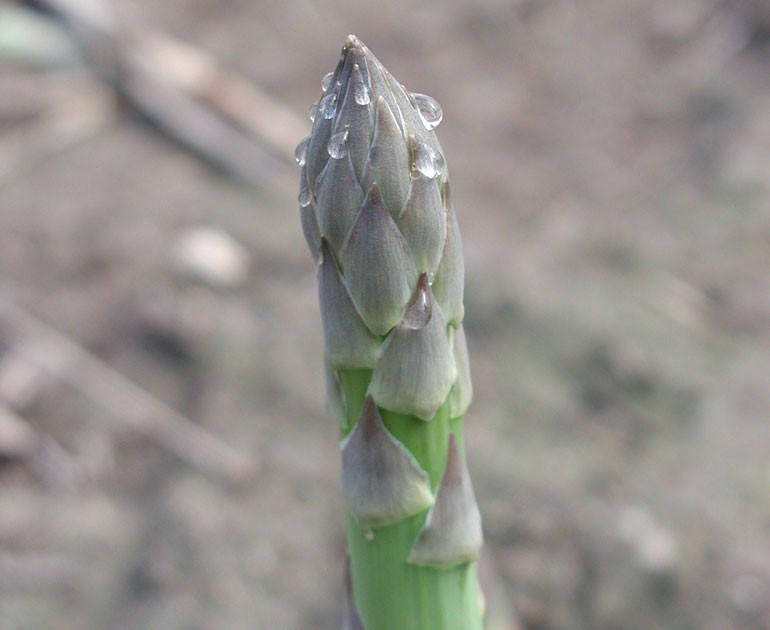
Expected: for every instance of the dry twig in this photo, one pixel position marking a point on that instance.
(17, 438)
(36, 572)
(125, 401)
(41, 454)
(183, 91)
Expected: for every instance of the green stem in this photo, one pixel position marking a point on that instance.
(389, 592)
(354, 383)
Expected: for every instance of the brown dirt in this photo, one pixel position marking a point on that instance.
(610, 172)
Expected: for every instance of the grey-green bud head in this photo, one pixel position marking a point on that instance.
(376, 213)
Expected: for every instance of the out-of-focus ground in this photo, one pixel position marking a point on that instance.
(610, 166)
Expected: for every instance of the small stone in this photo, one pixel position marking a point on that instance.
(211, 255)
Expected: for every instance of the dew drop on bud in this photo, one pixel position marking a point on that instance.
(439, 162)
(326, 81)
(426, 161)
(305, 196)
(300, 153)
(337, 146)
(328, 105)
(429, 109)
(419, 311)
(313, 112)
(361, 94)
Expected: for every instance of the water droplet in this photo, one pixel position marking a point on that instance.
(419, 311)
(305, 196)
(429, 109)
(313, 112)
(361, 94)
(439, 162)
(338, 145)
(328, 105)
(326, 81)
(300, 153)
(426, 161)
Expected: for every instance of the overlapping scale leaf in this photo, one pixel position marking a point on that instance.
(349, 343)
(339, 198)
(448, 284)
(452, 531)
(462, 392)
(416, 370)
(355, 116)
(351, 616)
(308, 217)
(378, 266)
(380, 87)
(423, 223)
(381, 480)
(388, 163)
(408, 112)
(336, 405)
(317, 154)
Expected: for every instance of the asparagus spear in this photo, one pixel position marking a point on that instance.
(377, 215)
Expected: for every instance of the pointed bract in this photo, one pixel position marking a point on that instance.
(416, 370)
(339, 198)
(354, 52)
(462, 392)
(358, 118)
(423, 223)
(448, 285)
(381, 480)
(388, 164)
(349, 344)
(310, 228)
(452, 531)
(351, 618)
(336, 405)
(317, 154)
(409, 115)
(377, 266)
(380, 86)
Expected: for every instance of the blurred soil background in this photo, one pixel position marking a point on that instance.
(165, 456)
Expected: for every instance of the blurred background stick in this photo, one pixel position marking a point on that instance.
(184, 92)
(17, 438)
(42, 455)
(37, 572)
(60, 114)
(126, 402)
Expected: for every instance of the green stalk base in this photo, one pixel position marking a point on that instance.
(389, 593)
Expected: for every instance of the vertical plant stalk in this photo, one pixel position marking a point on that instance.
(377, 215)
